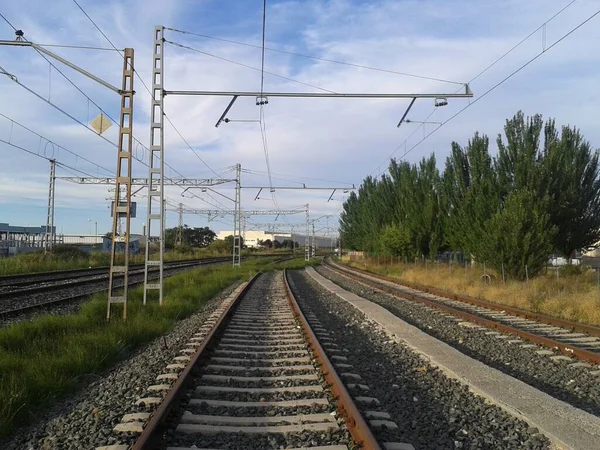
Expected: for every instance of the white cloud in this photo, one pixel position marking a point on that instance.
(328, 139)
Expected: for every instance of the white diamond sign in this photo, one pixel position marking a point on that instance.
(101, 123)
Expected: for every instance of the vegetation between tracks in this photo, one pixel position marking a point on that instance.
(573, 295)
(43, 359)
(66, 258)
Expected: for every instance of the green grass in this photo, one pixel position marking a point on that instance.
(44, 359)
(73, 259)
(296, 263)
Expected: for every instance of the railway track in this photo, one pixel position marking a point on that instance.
(254, 377)
(11, 283)
(23, 299)
(570, 338)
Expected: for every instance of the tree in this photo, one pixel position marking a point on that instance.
(276, 244)
(519, 236)
(229, 241)
(194, 237)
(267, 243)
(396, 240)
(571, 179)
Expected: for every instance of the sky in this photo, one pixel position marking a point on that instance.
(317, 142)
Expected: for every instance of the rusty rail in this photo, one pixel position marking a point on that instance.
(564, 348)
(358, 428)
(151, 436)
(538, 317)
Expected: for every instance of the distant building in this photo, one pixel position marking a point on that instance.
(18, 239)
(134, 245)
(252, 238)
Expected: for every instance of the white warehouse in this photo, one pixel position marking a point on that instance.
(252, 238)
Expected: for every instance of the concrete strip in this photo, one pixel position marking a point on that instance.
(129, 427)
(265, 346)
(377, 415)
(299, 368)
(309, 388)
(190, 428)
(304, 359)
(367, 400)
(567, 426)
(397, 446)
(258, 354)
(176, 367)
(256, 421)
(309, 376)
(278, 404)
(148, 401)
(325, 447)
(383, 424)
(159, 387)
(167, 376)
(135, 417)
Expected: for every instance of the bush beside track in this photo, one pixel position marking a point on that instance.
(44, 359)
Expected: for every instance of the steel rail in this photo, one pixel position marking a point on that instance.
(358, 428)
(91, 278)
(28, 308)
(538, 317)
(152, 434)
(567, 349)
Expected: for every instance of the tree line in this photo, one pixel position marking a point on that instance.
(537, 196)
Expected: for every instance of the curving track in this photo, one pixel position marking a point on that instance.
(570, 338)
(255, 377)
(23, 294)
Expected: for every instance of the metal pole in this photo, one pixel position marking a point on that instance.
(314, 242)
(122, 207)
(237, 219)
(156, 180)
(179, 239)
(307, 235)
(49, 238)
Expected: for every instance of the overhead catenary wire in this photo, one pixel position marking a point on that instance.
(187, 47)
(502, 81)
(147, 90)
(316, 58)
(54, 143)
(497, 60)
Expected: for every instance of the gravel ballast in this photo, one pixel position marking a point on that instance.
(267, 295)
(87, 419)
(432, 411)
(68, 299)
(574, 385)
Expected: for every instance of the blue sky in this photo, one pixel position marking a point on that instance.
(335, 140)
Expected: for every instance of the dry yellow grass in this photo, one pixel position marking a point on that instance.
(574, 297)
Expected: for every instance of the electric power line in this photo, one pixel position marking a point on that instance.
(60, 147)
(503, 81)
(470, 81)
(359, 66)
(247, 67)
(149, 93)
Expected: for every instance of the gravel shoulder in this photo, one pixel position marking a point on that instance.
(86, 419)
(573, 385)
(432, 411)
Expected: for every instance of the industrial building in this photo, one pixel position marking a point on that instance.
(252, 238)
(17, 239)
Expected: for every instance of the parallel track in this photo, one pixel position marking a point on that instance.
(260, 355)
(570, 338)
(17, 301)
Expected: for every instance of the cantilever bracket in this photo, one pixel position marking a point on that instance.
(222, 118)
(406, 112)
